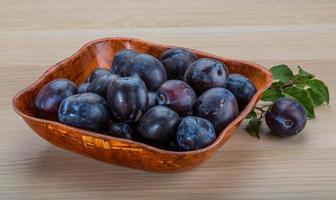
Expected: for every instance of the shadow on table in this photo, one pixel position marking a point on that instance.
(57, 166)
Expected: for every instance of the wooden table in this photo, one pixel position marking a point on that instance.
(36, 34)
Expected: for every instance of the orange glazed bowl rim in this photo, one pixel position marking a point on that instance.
(220, 136)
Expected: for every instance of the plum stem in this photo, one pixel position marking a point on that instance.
(263, 109)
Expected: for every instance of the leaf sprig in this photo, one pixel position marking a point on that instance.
(303, 87)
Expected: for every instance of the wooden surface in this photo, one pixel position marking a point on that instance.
(36, 34)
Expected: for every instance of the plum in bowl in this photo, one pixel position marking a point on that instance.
(121, 151)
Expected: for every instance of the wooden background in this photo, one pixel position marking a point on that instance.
(36, 34)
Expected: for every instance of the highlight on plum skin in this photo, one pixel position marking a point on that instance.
(218, 105)
(175, 101)
(120, 60)
(148, 68)
(82, 88)
(51, 95)
(127, 98)
(177, 95)
(242, 88)
(206, 73)
(88, 110)
(97, 73)
(158, 124)
(177, 61)
(195, 133)
(286, 117)
(101, 83)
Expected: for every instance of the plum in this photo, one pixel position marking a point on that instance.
(120, 60)
(88, 110)
(96, 73)
(242, 88)
(195, 133)
(128, 98)
(101, 83)
(206, 73)
(148, 68)
(176, 62)
(119, 129)
(151, 99)
(218, 105)
(82, 88)
(51, 95)
(286, 117)
(158, 124)
(177, 95)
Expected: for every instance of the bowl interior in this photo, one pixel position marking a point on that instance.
(100, 53)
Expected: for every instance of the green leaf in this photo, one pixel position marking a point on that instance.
(303, 97)
(304, 75)
(319, 88)
(317, 99)
(301, 85)
(271, 95)
(253, 127)
(252, 114)
(282, 73)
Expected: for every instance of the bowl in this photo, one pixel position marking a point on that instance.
(116, 150)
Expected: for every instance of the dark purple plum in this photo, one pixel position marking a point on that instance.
(120, 60)
(101, 83)
(87, 111)
(206, 73)
(151, 99)
(158, 124)
(128, 98)
(119, 129)
(195, 133)
(286, 117)
(242, 88)
(148, 68)
(177, 95)
(96, 73)
(176, 62)
(51, 95)
(218, 105)
(82, 88)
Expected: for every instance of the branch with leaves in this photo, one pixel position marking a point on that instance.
(303, 87)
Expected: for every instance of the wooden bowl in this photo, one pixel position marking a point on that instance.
(116, 150)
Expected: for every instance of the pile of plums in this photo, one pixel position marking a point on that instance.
(177, 101)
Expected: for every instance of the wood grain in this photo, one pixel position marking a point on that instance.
(36, 34)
